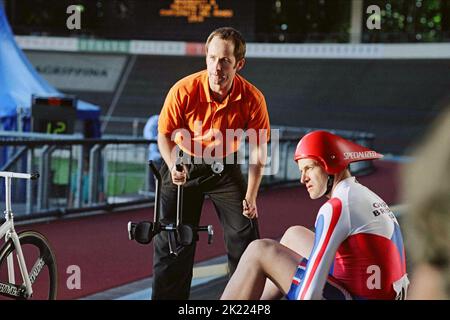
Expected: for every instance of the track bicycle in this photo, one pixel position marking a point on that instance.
(22, 250)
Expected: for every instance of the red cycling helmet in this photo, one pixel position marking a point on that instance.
(332, 151)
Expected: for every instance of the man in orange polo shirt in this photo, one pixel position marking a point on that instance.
(205, 114)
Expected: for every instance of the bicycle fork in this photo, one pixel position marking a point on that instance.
(22, 265)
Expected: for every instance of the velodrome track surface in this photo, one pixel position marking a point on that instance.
(99, 244)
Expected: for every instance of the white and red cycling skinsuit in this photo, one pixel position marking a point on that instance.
(358, 250)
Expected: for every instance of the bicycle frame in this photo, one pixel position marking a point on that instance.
(7, 230)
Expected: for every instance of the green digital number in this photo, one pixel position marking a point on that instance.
(56, 127)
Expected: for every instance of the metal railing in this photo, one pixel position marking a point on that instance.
(99, 174)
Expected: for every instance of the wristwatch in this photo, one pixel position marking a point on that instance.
(217, 167)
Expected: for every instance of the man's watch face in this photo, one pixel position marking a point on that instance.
(217, 167)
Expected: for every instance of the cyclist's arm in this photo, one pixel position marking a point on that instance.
(331, 229)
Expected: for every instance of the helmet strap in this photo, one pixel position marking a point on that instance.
(330, 183)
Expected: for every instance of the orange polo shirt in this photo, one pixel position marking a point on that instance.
(203, 127)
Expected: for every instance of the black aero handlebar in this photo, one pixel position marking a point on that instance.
(179, 234)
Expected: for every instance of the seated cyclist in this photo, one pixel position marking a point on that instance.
(357, 250)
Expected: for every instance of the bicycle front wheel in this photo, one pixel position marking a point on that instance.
(40, 262)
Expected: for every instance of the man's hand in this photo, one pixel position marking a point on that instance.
(249, 209)
(179, 177)
(257, 158)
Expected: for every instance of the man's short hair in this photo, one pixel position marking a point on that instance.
(228, 33)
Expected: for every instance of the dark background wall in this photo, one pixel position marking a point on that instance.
(394, 99)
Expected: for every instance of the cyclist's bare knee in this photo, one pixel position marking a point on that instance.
(258, 250)
(298, 239)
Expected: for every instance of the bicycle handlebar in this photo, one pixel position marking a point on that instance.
(28, 176)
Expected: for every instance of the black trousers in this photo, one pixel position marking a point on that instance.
(172, 276)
